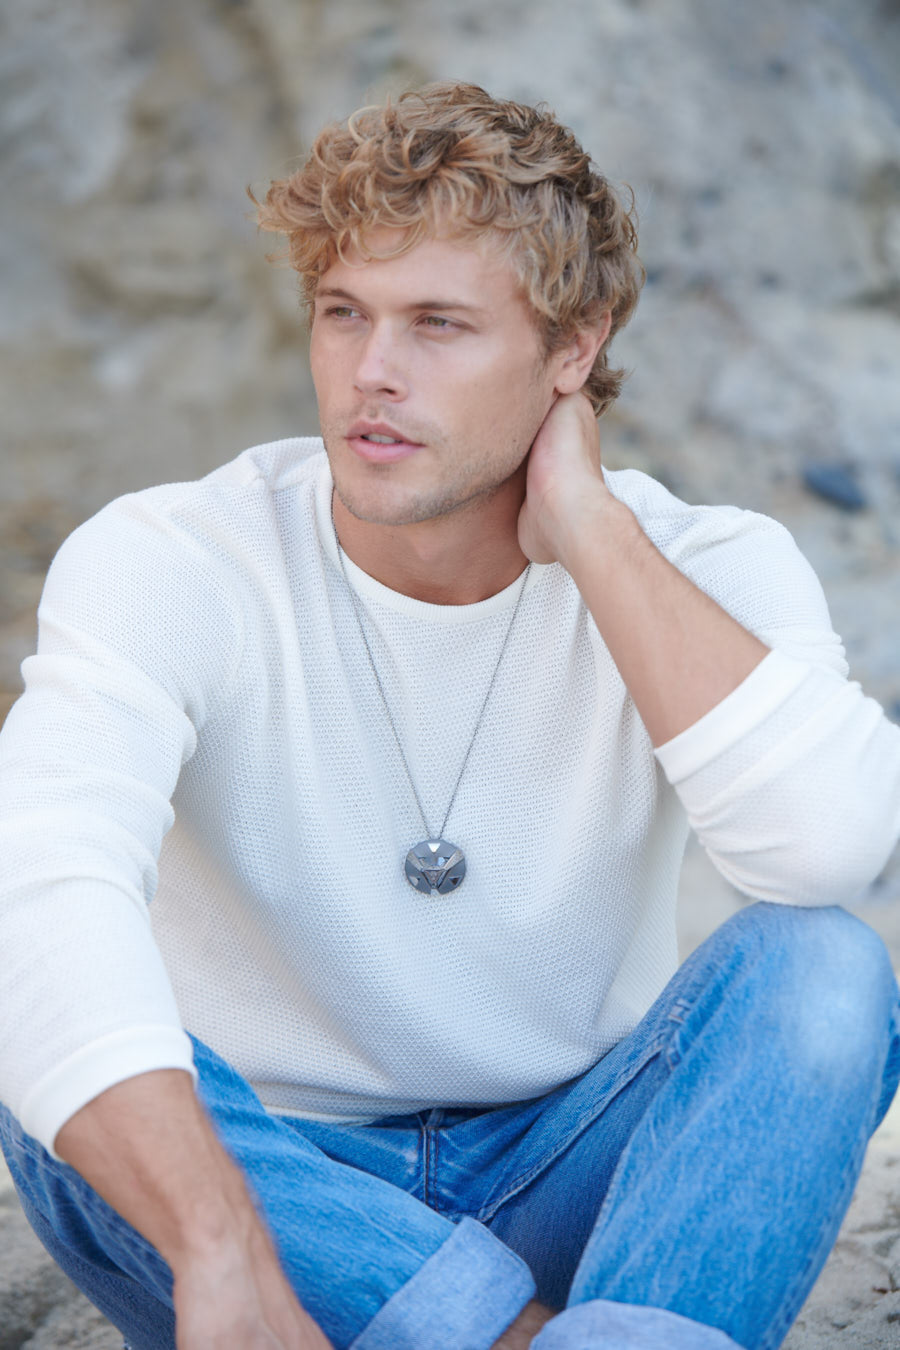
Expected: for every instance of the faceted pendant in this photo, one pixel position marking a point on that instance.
(435, 867)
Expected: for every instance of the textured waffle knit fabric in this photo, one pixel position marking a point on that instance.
(205, 815)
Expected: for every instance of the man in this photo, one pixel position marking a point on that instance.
(433, 714)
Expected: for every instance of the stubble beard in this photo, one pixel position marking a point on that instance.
(469, 493)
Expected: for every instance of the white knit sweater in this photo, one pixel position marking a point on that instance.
(198, 646)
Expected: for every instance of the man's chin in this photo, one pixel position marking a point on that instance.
(411, 511)
(410, 507)
(409, 493)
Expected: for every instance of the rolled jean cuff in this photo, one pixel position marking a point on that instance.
(464, 1296)
(627, 1326)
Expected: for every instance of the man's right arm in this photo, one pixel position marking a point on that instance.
(147, 1147)
(139, 638)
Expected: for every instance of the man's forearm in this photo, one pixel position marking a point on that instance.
(147, 1147)
(678, 652)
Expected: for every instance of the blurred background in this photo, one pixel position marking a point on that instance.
(144, 339)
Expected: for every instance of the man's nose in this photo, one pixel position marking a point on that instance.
(379, 369)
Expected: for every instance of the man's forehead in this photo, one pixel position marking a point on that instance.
(453, 267)
(377, 239)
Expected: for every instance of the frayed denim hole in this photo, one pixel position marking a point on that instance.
(673, 1052)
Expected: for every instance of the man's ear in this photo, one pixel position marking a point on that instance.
(576, 360)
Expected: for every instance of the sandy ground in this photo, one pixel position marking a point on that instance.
(854, 1306)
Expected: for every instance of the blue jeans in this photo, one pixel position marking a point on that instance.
(683, 1193)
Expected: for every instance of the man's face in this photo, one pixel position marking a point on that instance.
(436, 355)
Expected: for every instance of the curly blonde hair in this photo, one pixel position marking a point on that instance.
(449, 159)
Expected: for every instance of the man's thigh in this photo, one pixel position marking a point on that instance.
(727, 1131)
(548, 1220)
(348, 1239)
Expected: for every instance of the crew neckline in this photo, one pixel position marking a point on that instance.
(372, 591)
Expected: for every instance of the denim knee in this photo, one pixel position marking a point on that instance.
(830, 994)
(832, 957)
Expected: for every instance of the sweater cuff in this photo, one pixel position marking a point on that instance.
(767, 686)
(98, 1066)
(465, 1295)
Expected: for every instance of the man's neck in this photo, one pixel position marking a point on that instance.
(457, 559)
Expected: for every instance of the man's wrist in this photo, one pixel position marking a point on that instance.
(220, 1219)
(599, 528)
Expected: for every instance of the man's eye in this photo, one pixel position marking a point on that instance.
(342, 311)
(436, 321)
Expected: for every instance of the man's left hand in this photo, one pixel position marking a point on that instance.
(564, 488)
(677, 651)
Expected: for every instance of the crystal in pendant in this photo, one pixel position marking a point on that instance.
(435, 867)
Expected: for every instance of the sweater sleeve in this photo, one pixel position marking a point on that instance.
(792, 782)
(137, 635)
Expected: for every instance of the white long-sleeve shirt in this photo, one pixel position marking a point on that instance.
(204, 816)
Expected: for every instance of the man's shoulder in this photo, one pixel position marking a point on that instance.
(684, 531)
(748, 562)
(270, 467)
(159, 577)
(210, 523)
(275, 465)
(232, 500)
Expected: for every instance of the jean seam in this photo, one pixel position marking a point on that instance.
(490, 1207)
(669, 1047)
(98, 1210)
(24, 1142)
(427, 1176)
(91, 1204)
(435, 1168)
(663, 1048)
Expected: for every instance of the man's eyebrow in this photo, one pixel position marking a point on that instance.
(337, 293)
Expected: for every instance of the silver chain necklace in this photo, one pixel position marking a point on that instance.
(434, 866)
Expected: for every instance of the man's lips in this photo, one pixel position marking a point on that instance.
(391, 444)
